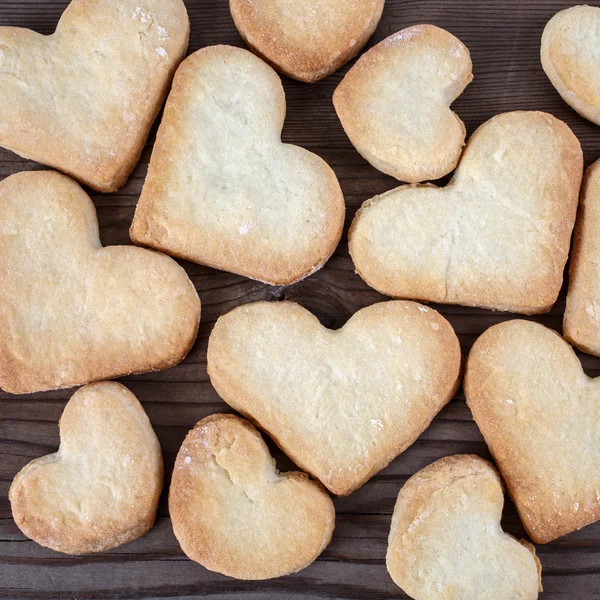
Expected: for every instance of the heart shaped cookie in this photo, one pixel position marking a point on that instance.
(394, 103)
(83, 99)
(581, 325)
(496, 237)
(342, 404)
(306, 40)
(446, 541)
(570, 58)
(101, 488)
(222, 190)
(72, 311)
(234, 513)
(540, 415)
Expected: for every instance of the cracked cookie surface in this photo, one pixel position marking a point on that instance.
(497, 236)
(235, 514)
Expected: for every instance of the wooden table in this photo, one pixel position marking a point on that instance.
(504, 39)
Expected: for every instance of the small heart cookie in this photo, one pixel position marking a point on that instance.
(497, 236)
(446, 541)
(101, 488)
(83, 99)
(306, 40)
(539, 413)
(223, 190)
(235, 514)
(581, 325)
(570, 58)
(342, 404)
(394, 103)
(72, 311)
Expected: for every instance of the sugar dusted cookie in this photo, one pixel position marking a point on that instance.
(234, 513)
(306, 40)
(342, 404)
(496, 237)
(72, 311)
(394, 103)
(570, 58)
(539, 414)
(222, 190)
(446, 541)
(101, 488)
(581, 324)
(83, 99)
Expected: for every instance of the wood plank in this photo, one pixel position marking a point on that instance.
(504, 42)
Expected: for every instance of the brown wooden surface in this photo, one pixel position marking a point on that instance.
(504, 41)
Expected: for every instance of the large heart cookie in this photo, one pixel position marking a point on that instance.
(446, 541)
(497, 236)
(234, 513)
(306, 40)
(581, 324)
(570, 58)
(540, 416)
(394, 103)
(342, 404)
(83, 99)
(101, 488)
(222, 190)
(72, 311)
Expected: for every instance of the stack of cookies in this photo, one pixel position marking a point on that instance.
(224, 191)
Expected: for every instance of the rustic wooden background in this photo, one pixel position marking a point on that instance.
(504, 40)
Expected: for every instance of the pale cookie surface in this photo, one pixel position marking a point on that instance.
(539, 413)
(234, 513)
(571, 58)
(83, 99)
(581, 324)
(223, 190)
(101, 488)
(446, 541)
(342, 404)
(394, 103)
(497, 236)
(306, 40)
(72, 311)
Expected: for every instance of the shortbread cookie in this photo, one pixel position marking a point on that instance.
(83, 99)
(342, 404)
(581, 325)
(570, 58)
(101, 488)
(72, 311)
(446, 542)
(496, 237)
(539, 414)
(222, 190)
(306, 40)
(235, 514)
(394, 103)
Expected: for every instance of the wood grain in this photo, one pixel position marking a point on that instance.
(504, 41)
